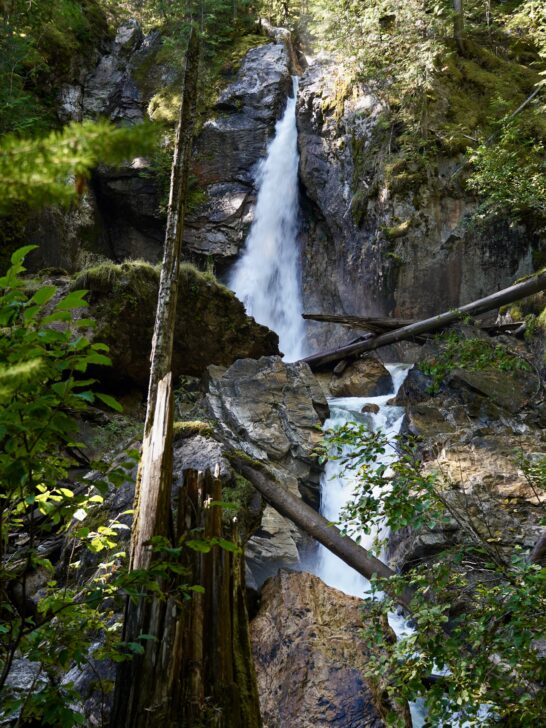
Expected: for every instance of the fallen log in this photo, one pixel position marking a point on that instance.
(501, 298)
(316, 525)
(375, 325)
(382, 325)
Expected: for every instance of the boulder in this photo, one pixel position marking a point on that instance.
(271, 411)
(310, 659)
(363, 378)
(273, 406)
(211, 325)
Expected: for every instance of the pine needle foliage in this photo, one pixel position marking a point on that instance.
(52, 169)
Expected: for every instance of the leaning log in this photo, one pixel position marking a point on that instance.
(382, 325)
(501, 298)
(316, 525)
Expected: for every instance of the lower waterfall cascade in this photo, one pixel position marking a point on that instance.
(336, 490)
(266, 278)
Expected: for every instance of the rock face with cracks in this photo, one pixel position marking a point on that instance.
(310, 659)
(475, 431)
(271, 411)
(228, 149)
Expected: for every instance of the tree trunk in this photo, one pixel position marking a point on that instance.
(216, 684)
(501, 298)
(316, 526)
(382, 325)
(458, 25)
(143, 684)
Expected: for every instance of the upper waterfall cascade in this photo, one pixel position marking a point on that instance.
(266, 278)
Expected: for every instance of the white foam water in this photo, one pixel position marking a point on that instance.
(266, 278)
(336, 491)
(337, 486)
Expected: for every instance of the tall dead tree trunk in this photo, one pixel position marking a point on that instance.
(143, 684)
(458, 25)
(501, 298)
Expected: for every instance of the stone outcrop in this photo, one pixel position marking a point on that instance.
(211, 325)
(393, 237)
(363, 378)
(474, 432)
(271, 411)
(310, 659)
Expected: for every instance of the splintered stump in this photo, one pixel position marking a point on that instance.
(201, 661)
(217, 680)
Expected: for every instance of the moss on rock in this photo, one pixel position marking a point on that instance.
(211, 324)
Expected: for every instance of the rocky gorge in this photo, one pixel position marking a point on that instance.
(376, 237)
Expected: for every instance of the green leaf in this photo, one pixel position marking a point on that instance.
(95, 358)
(87, 396)
(19, 255)
(44, 295)
(203, 547)
(226, 545)
(110, 401)
(75, 299)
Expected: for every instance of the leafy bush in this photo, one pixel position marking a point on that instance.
(478, 609)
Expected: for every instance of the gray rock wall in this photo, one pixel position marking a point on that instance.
(390, 241)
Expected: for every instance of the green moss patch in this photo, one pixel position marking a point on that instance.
(184, 429)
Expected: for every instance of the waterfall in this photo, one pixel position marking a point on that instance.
(266, 278)
(336, 490)
(336, 486)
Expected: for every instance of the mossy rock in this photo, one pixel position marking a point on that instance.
(211, 324)
(397, 231)
(183, 429)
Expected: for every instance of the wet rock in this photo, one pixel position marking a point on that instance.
(363, 378)
(228, 149)
(371, 408)
(415, 388)
(310, 659)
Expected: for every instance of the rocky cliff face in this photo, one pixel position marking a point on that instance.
(395, 237)
(477, 431)
(120, 216)
(228, 149)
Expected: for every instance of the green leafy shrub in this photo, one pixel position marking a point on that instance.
(477, 609)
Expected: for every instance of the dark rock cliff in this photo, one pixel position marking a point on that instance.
(394, 237)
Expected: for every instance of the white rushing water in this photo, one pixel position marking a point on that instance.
(337, 488)
(267, 276)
